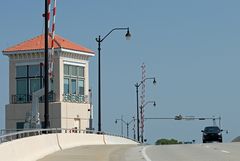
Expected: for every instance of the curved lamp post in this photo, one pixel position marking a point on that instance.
(126, 123)
(137, 85)
(99, 40)
(141, 112)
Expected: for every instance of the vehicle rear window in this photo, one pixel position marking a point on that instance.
(212, 129)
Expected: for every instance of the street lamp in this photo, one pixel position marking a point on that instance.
(141, 111)
(99, 40)
(137, 85)
(126, 123)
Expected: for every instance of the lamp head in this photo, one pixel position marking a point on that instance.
(154, 104)
(154, 81)
(128, 35)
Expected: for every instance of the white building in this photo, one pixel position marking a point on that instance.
(69, 97)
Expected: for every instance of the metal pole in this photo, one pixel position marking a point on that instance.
(141, 112)
(137, 112)
(91, 110)
(220, 123)
(99, 83)
(134, 132)
(46, 105)
(122, 125)
(127, 130)
(99, 40)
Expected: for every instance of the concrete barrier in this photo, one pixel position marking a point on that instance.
(36, 147)
(29, 149)
(117, 140)
(74, 140)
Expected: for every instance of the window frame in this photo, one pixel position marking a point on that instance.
(29, 77)
(76, 77)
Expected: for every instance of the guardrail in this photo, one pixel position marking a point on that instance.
(13, 134)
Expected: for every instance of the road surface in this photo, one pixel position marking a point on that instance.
(194, 152)
(189, 152)
(91, 153)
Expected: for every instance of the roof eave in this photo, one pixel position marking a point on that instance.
(21, 52)
(77, 52)
(42, 51)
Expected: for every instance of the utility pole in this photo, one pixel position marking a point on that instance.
(46, 81)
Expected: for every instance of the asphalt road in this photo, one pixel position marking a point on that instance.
(91, 153)
(195, 152)
(189, 152)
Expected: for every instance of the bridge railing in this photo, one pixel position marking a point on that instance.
(13, 134)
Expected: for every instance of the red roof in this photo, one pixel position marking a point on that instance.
(37, 43)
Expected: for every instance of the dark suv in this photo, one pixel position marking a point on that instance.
(211, 134)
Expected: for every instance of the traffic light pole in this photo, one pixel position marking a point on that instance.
(189, 118)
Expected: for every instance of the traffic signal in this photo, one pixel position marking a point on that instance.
(179, 117)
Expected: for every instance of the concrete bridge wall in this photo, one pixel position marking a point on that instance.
(36, 147)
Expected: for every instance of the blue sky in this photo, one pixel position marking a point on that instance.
(190, 46)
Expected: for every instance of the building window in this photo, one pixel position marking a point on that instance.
(74, 86)
(21, 86)
(73, 83)
(74, 71)
(29, 79)
(66, 69)
(34, 84)
(21, 71)
(80, 87)
(66, 86)
(19, 125)
(81, 72)
(34, 70)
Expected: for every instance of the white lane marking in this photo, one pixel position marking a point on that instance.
(144, 153)
(224, 151)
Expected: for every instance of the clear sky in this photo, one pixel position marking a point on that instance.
(192, 47)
